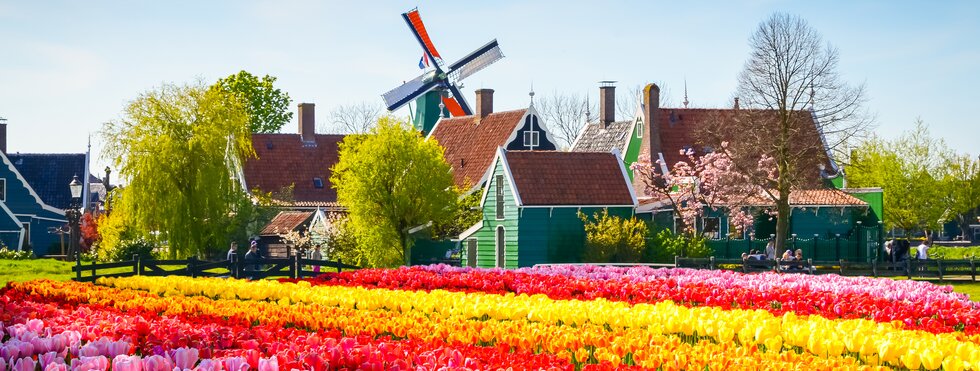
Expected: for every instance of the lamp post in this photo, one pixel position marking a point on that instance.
(74, 215)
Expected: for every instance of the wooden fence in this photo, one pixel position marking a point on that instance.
(294, 267)
(944, 270)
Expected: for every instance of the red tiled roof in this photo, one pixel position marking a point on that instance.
(285, 221)
(678, 125)
(815, 197)
(569, 178)
(470, 146)
(283, 160)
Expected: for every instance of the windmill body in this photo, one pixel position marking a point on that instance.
(436, 91)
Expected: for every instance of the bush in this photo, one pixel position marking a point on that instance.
(126, 249)
(665, 245)
(15, 255)
(611, 239)
(954, 253)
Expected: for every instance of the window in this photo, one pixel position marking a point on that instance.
(499, 185)
(27, 233)
(501, 247)
(531, 139)
(639, 128)
(712, 228)
(318, 182)
(3, 190)
(471, 253)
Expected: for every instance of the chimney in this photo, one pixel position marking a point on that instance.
(3, 135)
(105, 182)
(736, 102)
(484, 102)
(651, 107)
(607, 102)
(307, 123)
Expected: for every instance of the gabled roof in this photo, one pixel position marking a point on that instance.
(597, 137)
(823, 197)
(678, 125)
(470, 144)
(549, 178)
(48, 174)
(286, 221)
(284, 159)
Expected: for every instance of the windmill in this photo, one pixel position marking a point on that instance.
(430, 89)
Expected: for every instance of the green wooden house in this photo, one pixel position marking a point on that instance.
(606, 133)
(531, 202)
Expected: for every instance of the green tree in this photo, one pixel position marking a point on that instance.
(391, 181)
(465, 213)
(962, 181)
(611, 239)
(173, 147)
(267, 107)
(909, 170)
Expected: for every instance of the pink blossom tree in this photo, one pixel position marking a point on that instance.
(712, 181)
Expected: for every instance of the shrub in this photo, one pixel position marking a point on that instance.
(611, 239)
(15, 255)
(665, 245)
(126, 249)
(954, 253)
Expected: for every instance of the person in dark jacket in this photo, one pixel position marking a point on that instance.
(251, 257)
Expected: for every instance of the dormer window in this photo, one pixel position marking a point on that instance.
(531, 139)
(639, 128)
(317, 182)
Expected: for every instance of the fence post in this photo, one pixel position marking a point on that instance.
(745, 269)
(340, 262)
(939, 266)
(728, 247)
(809, 263)
(973, 270)
(837, 245)
(78, 265)
(908, 268)
(191, 265)
(874, 268)
(711, 262)
(136, 264)
(841, 262)
(296, 267)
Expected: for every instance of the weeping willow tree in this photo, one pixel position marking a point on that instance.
(173, 147)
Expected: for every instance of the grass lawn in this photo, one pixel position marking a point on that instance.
(970, 288)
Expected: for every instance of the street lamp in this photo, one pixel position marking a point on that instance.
(74, 215)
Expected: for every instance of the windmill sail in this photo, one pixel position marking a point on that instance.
(475, 61)
(397, 97)
(414, 21)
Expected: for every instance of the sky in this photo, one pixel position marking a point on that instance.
(67, 67)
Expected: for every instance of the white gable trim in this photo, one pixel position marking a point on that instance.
(32, 216)
(436, 126)
(6, 210)
(502, 156)
(626, 177)
(520, 123)
(28, 186)
(578, 137)
(471, 230)
(636, 117)
(663, 163)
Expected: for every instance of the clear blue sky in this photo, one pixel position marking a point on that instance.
(68, 66)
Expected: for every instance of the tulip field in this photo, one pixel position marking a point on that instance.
(441, 317)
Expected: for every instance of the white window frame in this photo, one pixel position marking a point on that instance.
(499, 198)
(27, 233)
(639, 128)
(535, 139)
(704, 226)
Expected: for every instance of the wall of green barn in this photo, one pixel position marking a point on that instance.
(486, 236)
(632, 153)
(556, 234)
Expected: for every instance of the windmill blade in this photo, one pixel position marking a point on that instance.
(414, 21)
(476, 61)
(460, 100)
(397, 97)
(452, 105)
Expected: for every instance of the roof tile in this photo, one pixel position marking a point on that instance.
(596, 137)
(49, 174)
(545, 178)
(285, 221)
(470, 145)
(283, 160)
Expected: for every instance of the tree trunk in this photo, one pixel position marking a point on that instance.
(782, 221)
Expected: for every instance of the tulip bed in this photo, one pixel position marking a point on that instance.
(440, 317)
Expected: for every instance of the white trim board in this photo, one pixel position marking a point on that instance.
(626, 176)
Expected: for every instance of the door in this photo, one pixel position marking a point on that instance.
(471, 252)
(500, 248)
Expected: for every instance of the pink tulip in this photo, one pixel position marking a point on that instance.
(10, 350)
(209, 365)
(24, 364)
(115, 348)
(236, 364)
(123, 362)
(3, 364)
(98, 363)
(157, 363)
(269, 364)
(185, 358)
(35, 325)
(56, 367)
(49, 358)
(92, 349)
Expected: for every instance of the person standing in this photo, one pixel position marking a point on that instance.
(317, 255)
(251, 259)
(771, 250)
(923, 250)
(232, 250)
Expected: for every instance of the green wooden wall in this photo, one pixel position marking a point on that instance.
(486, 253)
(632, 153)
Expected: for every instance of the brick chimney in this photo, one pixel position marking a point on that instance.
(307, 123)
(607, 102)
(651, 107)
(3, 135)
(736, 102)
(484, 102)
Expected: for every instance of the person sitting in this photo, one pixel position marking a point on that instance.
(799, 258)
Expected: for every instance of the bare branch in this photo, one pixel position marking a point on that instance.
(564, 114)
(356, 118)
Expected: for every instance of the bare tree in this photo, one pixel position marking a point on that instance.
(791, 96)
(356, 118)
(565, 114)
(628, 100)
